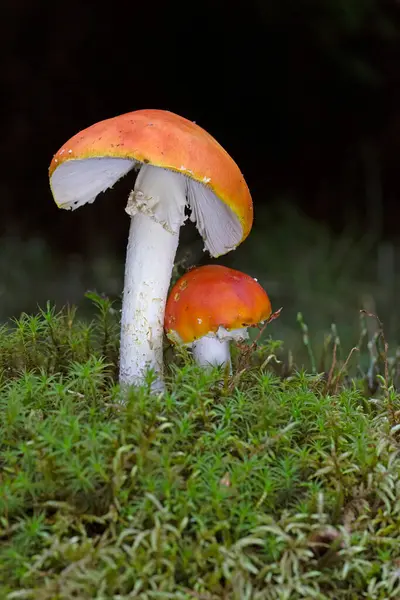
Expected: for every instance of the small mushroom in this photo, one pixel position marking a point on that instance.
(181, 166)
(210, 306)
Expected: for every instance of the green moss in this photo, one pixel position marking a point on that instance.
(274, 484)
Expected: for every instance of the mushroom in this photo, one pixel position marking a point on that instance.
(210, 306)
(181, 166)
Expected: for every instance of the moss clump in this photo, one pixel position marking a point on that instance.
(274, 484)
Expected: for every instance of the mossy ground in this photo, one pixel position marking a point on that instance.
(272, 484)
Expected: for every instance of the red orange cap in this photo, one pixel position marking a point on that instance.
(214, 296)
(159, 138)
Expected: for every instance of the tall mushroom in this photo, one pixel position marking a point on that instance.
(210, 306)
(181, 166)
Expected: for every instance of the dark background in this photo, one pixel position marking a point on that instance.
(304, 94)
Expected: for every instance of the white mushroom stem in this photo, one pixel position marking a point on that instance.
(159, 195)
(213, 350)
(149, 261)
(209, 351)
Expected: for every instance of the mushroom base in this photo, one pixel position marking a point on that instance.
(211, 352)
(149, 261)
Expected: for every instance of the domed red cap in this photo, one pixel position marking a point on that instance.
(214, 296)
